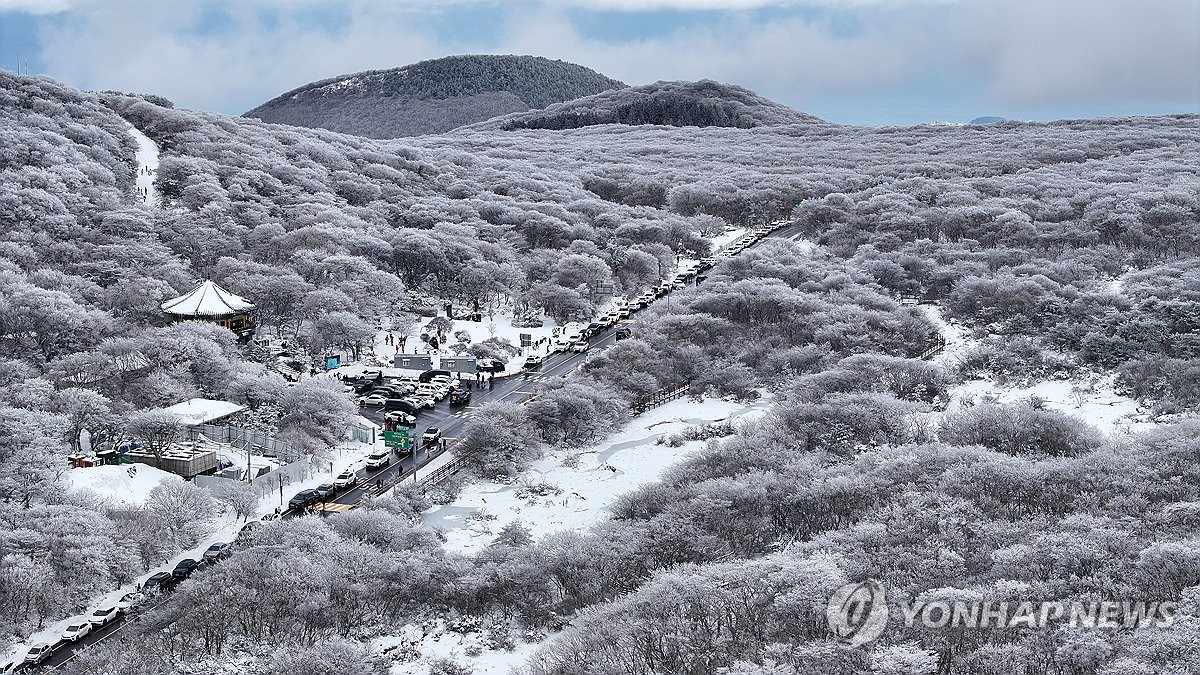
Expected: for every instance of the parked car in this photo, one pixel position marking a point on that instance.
(460, 396)
(532, 361)
(215, 552)
(159, 582)
(38, 653)
(421, 400)
(247, 532)
(131, 601)
(375, 399)
(580, 346)
(624, 332)
(323, 492)
(401, 405)
(430, 374)
(593, 328)
(185, 568)
(302, 499)
(104, 616)
(378, 460)
(431, 435)
(347, 478)
(400, 417)
(76, 630)
(489, 365)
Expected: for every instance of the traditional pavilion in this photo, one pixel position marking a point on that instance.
(210, 302)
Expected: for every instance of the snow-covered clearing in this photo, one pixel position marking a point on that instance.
(119, 484)
(586, 482)
(1092, 400)
(147, 161)
(627, 459)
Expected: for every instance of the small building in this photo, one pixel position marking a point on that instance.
(196, 411)
(210, 302)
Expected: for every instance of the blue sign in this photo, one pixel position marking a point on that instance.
(332, 361)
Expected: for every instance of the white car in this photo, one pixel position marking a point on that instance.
(378, 460)
(38, 653)
(104, 616)
(401, 417)
(76, 630)
(345, 479)
(373, 399)
(421, 400)
(579, 346)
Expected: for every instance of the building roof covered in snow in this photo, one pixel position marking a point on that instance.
(207, 300)
(202, 410)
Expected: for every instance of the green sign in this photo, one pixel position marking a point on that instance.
(397, 439)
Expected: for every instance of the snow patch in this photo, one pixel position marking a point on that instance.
(572, 489)
(119, 484)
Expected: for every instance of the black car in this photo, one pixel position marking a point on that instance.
(159, 582)
(185, 568)
(302, 499)
(215, 552)
(460, 395)
(623, 333)
(430, 374)
(324, 492)
(401, 405)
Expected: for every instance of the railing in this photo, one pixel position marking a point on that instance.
(444, 471)
(936, 348)
(658, 398)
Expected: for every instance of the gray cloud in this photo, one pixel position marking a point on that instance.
(992, 54)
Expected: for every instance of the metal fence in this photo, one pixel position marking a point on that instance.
(244, 439)
(267, 483)
(938, 346)
(658, 398)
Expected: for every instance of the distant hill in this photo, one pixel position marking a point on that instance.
(679, 104)
(432, 96)
(990, 119)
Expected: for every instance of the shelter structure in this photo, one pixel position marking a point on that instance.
(210, 302)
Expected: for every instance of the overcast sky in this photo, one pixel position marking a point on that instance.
(849, 61)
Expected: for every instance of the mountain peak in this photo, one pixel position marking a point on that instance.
(432, 96)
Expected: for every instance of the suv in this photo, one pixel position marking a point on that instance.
(346, 478)
(185, 568)
(431, 435)
(76, 630)
(460, 395)
(159, 582)
(623, 332)
(378, 460)
(215, 552)
(302, 499)
(533, 361)
(38, 653)
(324, 491)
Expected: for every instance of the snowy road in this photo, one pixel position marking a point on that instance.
(147, 167)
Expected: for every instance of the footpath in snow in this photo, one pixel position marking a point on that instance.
(147, 167)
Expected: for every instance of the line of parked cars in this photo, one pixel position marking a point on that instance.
(159, 582)
(403, 398)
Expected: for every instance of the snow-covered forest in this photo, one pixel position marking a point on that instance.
(1064, 251)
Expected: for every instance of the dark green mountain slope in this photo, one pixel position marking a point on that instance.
(432, 96)
(678, 104)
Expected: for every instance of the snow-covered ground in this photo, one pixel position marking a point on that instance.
(627, 459)
(117, 484)
(147, 161)
(1092, 400)
(589, 480)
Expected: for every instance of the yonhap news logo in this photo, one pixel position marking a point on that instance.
(858, 613)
